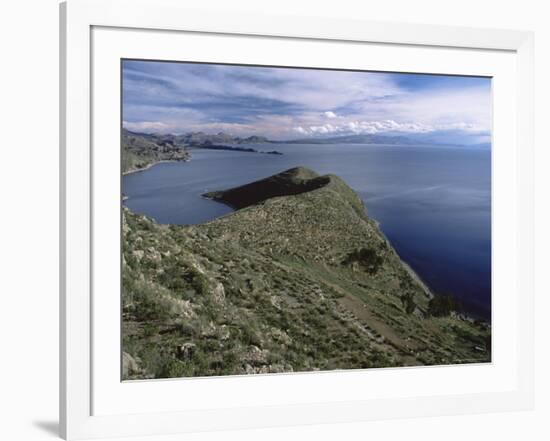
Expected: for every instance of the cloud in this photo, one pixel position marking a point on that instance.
(283, 102)
(465, 106)
(146, 126)
(386, 126)
(365, 127)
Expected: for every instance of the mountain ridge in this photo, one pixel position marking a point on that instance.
(205, 140)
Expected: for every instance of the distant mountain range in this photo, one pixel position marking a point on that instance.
(199, 139)
(205, 140)
(142, 150)
(356, 139)
(448, 138)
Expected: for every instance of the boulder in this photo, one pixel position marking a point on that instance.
(186, 350)
(130, 366)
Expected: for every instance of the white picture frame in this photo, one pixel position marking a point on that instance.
(79, 415)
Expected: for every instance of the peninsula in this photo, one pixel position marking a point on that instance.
(298, 278)
(142, 150)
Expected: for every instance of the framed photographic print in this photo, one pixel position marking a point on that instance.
(288, 220)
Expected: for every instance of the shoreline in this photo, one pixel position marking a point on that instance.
(148, 166)
(407, 267)
(236, 149)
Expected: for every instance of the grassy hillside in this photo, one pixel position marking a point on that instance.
(293, 281)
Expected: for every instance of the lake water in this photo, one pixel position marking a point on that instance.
(433, 203)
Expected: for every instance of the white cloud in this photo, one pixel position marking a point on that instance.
(280, 103)
(146, 126)
(467, 107)
(365, 127)
(310, 89)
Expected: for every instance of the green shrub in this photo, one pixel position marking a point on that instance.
(442, 306)
(407, 300)
(149, 330)
(173, 369)
(197, 280)
(146, 306)
(250, 336)
(367, 258)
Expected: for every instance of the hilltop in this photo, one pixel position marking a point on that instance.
(298, 278)
(291, 182)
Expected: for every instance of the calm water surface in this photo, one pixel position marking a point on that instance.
(433, 203)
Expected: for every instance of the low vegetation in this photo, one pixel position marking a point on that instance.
(290, 282)
(443, 306)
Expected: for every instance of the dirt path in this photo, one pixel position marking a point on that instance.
(361, 311)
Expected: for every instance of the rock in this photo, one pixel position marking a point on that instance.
(153, 255)
(178, 307)
(224, 333)
(256, 356)
(280, 336)
(186, 351)
(138, 255)
(125, 227)
(275, 302)
(130, 366)
(219, 293)
(418, 313)
(209, 330)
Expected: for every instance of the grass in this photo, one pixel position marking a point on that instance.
(296, 283)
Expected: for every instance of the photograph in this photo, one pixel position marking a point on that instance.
(280, 220)
(284, 219)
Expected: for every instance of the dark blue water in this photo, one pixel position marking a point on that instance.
(433, 203)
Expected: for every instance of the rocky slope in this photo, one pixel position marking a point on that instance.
(139, 151)
(142, 150)
(299, 278)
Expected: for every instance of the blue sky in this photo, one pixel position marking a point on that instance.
(287, 103)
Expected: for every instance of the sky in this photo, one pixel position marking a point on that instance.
(293, 103)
